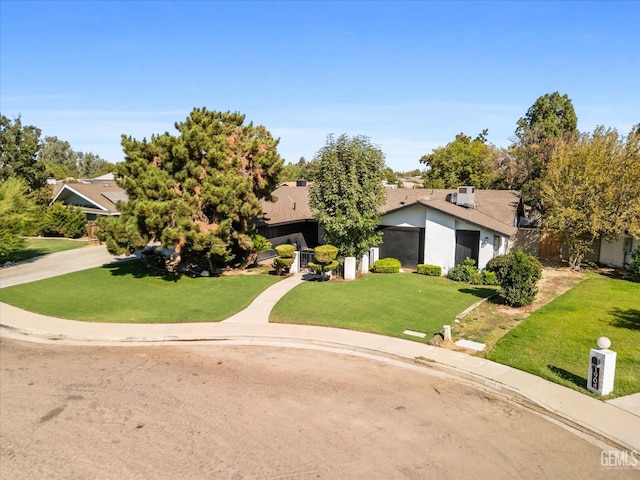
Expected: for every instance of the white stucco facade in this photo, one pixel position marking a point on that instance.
(617, 252)
(440, 235)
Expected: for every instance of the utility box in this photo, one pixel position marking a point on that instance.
(602, 368)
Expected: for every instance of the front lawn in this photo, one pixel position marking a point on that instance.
(387, 304)
(125, 292)
(36, 247)
(554, 342)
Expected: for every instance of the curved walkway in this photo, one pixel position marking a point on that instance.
(251, 327)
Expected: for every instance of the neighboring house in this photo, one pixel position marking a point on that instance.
(439, 227)
(95, 197)
(617, 252)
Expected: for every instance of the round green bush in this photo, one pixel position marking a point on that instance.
(325, 253)
(517, 274)
(286, 250)
(387, 265)
(426, 269)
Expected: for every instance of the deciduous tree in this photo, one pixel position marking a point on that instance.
(19, 146)
(59, 159)
(464, 161)
(347, 194)
(590, 189)
(551, 118)
(197, 192)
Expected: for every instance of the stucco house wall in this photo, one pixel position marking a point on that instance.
(617, 252)
(440, 240)
(440, 235)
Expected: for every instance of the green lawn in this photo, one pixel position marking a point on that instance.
(125, 293)
(554, 342)
(37, 247)
(387, 304)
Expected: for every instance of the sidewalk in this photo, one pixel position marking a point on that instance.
(250, 327)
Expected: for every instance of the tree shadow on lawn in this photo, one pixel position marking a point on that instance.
(566, 375)
(629, 318)
(479, 292)
(138, 269)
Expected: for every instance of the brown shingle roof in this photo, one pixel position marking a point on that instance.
(495, 209)
(292, 205)
(98, 196)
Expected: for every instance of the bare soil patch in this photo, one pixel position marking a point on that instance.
(489, 321)
(228, 412)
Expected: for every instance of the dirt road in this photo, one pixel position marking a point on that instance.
(225, 412)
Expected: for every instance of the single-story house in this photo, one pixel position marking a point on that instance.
(435, 226)
(96, 197)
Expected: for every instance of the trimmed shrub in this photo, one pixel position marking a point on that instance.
(286, 250)
(518, 274)
(386, 265)
(324, 256)
(280, 263)
(426, 269)
(325, 253)
(286, 256)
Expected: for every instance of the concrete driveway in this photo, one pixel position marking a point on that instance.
(56, 264)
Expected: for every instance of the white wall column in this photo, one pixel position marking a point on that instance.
(374, 255)
(295, 266)
(364, 264)
(350, 268)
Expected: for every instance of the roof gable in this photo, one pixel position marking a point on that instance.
(95, 196)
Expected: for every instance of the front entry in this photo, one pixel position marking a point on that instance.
(467, 245)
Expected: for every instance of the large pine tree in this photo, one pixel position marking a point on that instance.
(198, 192)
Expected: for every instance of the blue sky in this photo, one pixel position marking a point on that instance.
(408, 75)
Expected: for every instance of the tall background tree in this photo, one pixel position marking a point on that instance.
(61, 161)
(347, 194)
(58, 157)
(19, 146)
(302, 170)
(197, 192)
(91, 165)
(551, 118)
(464, 161)
(590, 189)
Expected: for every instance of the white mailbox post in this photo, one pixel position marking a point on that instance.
(602, 368)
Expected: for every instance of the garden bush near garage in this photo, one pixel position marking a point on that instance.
(386, 265)
(431, 270)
